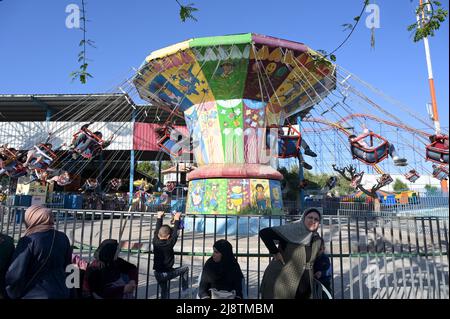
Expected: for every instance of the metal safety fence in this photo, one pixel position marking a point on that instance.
(372, 256)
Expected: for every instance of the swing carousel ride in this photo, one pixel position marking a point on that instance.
(250, 103)
(238, 95)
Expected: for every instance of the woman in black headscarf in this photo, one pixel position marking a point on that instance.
(221, 271)
(108, 276)
(290, 274)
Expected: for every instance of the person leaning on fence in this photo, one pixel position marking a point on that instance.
(221, 276)
(290, 274)
(164, 240)
(6, 253)
(38, 269)
(109, 276)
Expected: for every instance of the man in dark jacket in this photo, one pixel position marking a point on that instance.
(164, 240)
(38, 269)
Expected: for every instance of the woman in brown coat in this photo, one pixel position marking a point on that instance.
(290, 274)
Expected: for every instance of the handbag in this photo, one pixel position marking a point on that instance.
(222, 294)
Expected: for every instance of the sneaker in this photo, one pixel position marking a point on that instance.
(398, 159)
(306, 166)
(310, 153)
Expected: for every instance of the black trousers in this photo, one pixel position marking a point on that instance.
(163, 279)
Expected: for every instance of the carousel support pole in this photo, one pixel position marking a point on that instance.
(178, 172)
(130, 199)
(48, 115)
(300, 172)
(100, 176)
(132, 162)
(159, 174)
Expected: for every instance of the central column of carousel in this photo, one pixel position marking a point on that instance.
(234, 171)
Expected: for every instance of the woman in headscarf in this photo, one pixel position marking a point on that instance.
(221, 271)
(38, 269)
(109, 276)
(290, 274)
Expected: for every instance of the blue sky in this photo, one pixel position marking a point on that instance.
(38, 52)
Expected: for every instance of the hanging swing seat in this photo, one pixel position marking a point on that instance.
(98, 146)
(11, 161)
(356, 180)
(412, 176)
(48, 156)
(8, 155)
(93, 149)
(331, 183)
(372, 155)
(437, 151)
(18, 171)
(89, 134)
(440, 172)
(289, 143)
(169, 141)
(45, 151)
(39, 175)
(115, 183)
(384, 180)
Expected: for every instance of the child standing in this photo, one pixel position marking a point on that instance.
(322, 267)
(164, 240)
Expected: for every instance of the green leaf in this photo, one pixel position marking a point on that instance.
(333, 58)
(357, 18)
(82, 42)
(412, 27)
(186, 12)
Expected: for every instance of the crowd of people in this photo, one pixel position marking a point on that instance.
(43, 264)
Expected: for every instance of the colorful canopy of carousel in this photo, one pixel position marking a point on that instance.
(286, 75)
